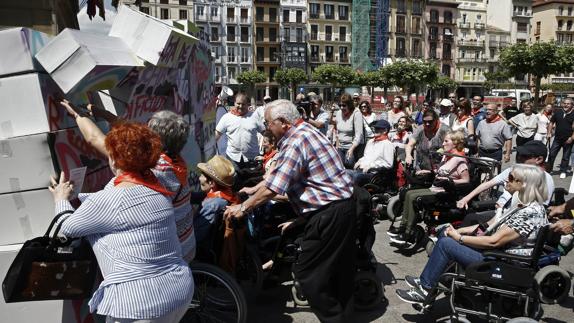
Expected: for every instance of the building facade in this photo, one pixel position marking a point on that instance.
(512, 16)
(554, 21)
(471, 63)
(329, 29)
(293, 23)
(267, 45)
(441, 33)
(406, 27)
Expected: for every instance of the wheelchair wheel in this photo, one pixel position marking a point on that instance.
(394, 208)
(553, 284)
(368, 291)
(250, 271)
(217, 297)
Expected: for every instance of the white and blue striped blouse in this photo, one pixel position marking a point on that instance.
(133, 234)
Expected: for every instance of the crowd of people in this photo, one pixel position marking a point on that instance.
(144, 232)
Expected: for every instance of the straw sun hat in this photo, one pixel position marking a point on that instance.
(218, 169)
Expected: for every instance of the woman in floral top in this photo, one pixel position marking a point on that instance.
(514, 231)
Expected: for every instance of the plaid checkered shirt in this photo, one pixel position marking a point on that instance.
(309, 170)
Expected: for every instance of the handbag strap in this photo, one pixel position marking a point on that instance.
(55, 220)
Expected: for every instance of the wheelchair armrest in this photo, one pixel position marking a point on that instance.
(483, 205)
(501, 255)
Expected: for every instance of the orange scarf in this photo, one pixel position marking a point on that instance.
(146, 179)
(461, 120)
(547, 114)
(401, 134)
(396, 110)
(179, 168)
(498, 117)
(235, 112)
(226, 194)
(456, 152)
(475, 111)
(267, 157)
(381, 138)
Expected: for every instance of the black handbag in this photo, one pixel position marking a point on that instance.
(51, 268)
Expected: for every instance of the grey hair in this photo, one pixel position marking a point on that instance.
(534, 183)
(284, 109)
(317, 98)
(172, 129)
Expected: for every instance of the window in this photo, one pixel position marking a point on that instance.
(183, 2)
(329, 11)
(569, 25)
(416, 50)
(561, 11)
(492, 52)
(183, 14)
(299, 16)
(522, 27)
(273, 34)
(343, 57)
(259, 34)
(164, 1)
(286, 15)
(432, 50)
(315, 10)
(215, 51)
(314, 32)
(560, 24)
(214, 11)
(286, 34)
(433, 33)
(273, 57)
(434, 16)
(448, 17)
(342, 33)
(314, 53)
(401, 48)
(259, 13)
(329, 53)
(145, 10)
(417, 7)
(230, 33)
(329, 33)
(569, 11)
(232, 72)
(272, 14)
(260, 54)
(272, 71)
(538, 25)
(299, 35)
(245, 34)
(214, 34)
(164, 13)
(401, 6)
(401, 24)
(244, 15)
(231, 54)
(343, 13)
(446, 51)
(446, 70)
(218, 74)
(416, 25)
(199, 10)
(464, 18)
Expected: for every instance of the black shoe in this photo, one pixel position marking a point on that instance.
(395, 231)
(413, 281)
(405, 240)
(413, 296)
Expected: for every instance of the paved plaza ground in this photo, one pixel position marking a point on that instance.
(275, 304)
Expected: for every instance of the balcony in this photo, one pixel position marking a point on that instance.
(522, 14)
(244, 38)
(471, 43)
(470, 60)
(479, 25)
(562, 80)
(493, 44)
(315, 59)
(245, 20)
(231, 19)
(433, 37)
(447, 38)
(215, 18)
(314, 16)
(464, 25)
(231, 37)
(447, 57)
(344, 59)
(492, 60)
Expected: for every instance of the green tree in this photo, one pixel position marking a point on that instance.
(496, 79)
(291, 77)
(372, 79)
(412, 75)
(336, 75)
(539, 60)
(250, 79)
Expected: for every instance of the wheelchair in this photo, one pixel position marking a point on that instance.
(504, 286)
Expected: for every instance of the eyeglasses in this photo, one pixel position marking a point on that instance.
(512, 179)
(428, 122)
(342, 105)
(363, 106)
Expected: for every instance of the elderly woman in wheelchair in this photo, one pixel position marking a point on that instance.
(514, 231)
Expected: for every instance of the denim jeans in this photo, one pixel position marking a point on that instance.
(566, 152)
(445, 251)
(360, 178)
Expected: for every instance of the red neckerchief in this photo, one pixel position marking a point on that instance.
(235, 112)
(498, 117)
(396, 110)
(226, 194)
(463, 118)
(475, 111)
(401, 134)
(547, 114)
(147, 179)
(366, 114)
(347, 116)
(435, 127)
(179, 168)
(454, 151)
(381, 137)
(267, 156)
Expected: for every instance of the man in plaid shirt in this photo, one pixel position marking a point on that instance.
(311, 173)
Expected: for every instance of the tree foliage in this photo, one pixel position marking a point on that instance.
(290, 76)
(251, 77)
(412, 74)
(444, 83)
(336, 75)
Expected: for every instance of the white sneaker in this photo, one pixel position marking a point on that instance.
(562, 175)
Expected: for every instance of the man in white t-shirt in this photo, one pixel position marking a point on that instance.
(240, 126)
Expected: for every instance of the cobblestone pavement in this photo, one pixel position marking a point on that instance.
(275, 304)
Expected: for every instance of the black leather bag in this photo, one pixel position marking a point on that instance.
(51, 268)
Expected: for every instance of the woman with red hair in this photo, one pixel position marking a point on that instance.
(131, 227)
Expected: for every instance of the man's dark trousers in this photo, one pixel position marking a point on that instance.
(326, 266)
(566, 151)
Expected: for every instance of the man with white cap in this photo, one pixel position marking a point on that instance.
(356, 99)
(445, 115)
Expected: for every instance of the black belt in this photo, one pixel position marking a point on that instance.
(490, 151)
(310, 214)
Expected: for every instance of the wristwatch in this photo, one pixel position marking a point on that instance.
(460, 240)
(242, 208)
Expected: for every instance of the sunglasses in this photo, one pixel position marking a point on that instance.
(428, 122)
(342, 105)
(452, 97)
(363, 106)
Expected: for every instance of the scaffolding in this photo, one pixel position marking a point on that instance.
(370, 33)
